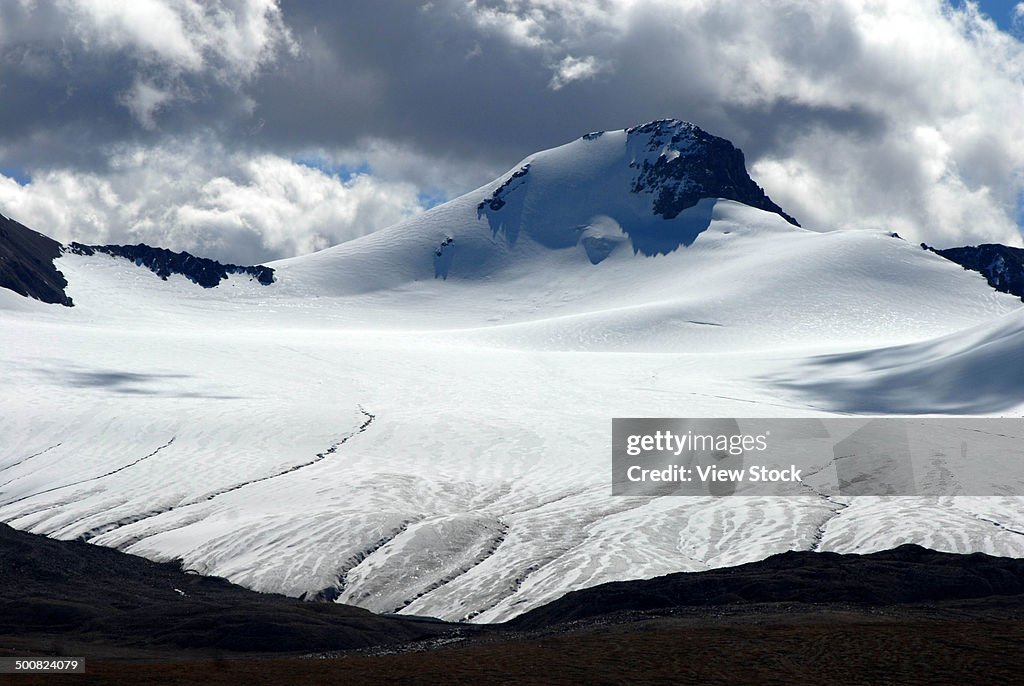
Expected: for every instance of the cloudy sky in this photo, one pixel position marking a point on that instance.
(255, 129)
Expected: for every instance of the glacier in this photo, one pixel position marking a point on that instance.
(429, 433)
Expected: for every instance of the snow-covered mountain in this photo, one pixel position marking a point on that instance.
(648, 190)
(419, 420)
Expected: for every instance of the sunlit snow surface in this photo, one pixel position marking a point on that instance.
(441, 446)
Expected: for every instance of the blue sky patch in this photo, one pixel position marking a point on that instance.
(430, 199)
(20, 176)
(999, 11)
(342, 171)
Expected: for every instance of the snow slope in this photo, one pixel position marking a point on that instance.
(978, 370)
(429, 434)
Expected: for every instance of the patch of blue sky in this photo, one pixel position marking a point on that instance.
(345, 172)
(1002, 12)
(20, 176)
(433, 198)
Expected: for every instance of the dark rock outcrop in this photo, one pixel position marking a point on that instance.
(694, 165)
(26, 263)
(497, 199)
(71, 590)
(907, 574)
(203, 271)
(1002, 265)
(73, 598)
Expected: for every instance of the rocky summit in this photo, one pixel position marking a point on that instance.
(679, 163)
(1001, 265)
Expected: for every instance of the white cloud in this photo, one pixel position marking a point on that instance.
(938, 91)
(552, 27)
(162, 42)
(521, 25)
(907, 115)
(158, 30)
(573, 69)
(393, 163)
(234, 36)
(201, 199)
(144, 100)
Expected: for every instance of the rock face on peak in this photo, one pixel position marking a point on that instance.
(162, 262)
(496, 201)
(1002, 265)
(26, 263)
(679, 164)
(654, 185)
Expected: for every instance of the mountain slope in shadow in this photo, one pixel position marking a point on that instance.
(90, 594)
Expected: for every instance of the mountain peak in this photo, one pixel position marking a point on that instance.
(679, 163)
(664, 125)
(654, 184)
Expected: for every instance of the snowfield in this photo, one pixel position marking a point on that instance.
(430, 433)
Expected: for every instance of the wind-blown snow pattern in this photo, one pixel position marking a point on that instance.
(371, 430)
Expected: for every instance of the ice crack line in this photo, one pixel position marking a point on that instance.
(332, 593)
(1001, 526)
(513, 586)
(819, 534)
(92, 478)
(838, 508)
(333, 448)
(319, 456)
(496, 542)
(26, 459)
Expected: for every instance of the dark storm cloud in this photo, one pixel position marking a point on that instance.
(429, 78)
(74, 80)
(424, 77)
(851, 113)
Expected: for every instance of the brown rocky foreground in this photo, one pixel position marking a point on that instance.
(906, 616)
